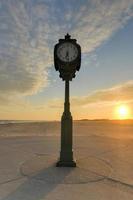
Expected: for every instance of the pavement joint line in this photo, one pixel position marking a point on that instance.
(119, 182)
(74, 183)
(82, 168)
(65, 183)
(101, 159)
(12, 180)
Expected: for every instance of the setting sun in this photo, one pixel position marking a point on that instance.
(122, 112)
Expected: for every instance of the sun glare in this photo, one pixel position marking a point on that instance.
(122, 112)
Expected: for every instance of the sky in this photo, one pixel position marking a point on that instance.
(30, 88)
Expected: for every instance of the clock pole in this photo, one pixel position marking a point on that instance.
(67, 60)
(66, 154)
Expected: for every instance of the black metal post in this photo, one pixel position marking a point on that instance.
(66, 154)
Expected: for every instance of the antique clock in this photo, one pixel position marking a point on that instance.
(67, 57)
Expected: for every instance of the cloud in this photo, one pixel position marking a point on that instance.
(99, 19)
(29, 30)
(24, 55)
(119, 93)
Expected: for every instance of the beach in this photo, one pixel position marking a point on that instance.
(103, 151)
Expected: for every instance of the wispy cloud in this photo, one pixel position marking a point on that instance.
(29, 30)
(96, 21)
(120, 93)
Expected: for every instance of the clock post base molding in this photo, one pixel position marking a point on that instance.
(61, 163)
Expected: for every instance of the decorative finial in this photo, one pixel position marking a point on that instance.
(67, 36)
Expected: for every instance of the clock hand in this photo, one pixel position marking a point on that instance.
(67, 55)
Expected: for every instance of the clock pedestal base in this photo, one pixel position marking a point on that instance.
(66, 164)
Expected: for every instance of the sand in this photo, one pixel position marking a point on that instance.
(104, 154)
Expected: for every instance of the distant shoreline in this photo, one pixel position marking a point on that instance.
(104, 120)
(123, 121)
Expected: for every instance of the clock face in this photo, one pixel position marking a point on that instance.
(67, 52)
